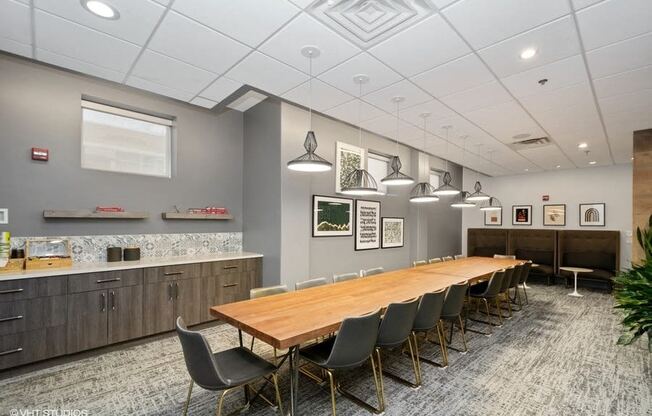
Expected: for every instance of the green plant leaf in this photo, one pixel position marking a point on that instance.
(626, 338)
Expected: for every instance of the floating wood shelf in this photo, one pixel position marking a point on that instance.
(192, 216)
(88, 214)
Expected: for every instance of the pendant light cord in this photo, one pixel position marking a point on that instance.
(310, 90)
(398, 103)
(360, 113)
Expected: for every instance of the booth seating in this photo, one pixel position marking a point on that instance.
(539, 246)
(485, 242)
(596, 250)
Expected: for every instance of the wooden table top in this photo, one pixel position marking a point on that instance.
(293, 318)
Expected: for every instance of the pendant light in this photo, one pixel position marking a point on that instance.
(360, 182)
(493, 204)
(477, 195)
(460, 200)
(397, 177)
(310, 161)
(423, 191)
(446, 189)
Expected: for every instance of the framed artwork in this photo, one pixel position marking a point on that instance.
(592, 215)
(332, 217)
(521, 214)
(4, 216)
(554, 215)
(493, 218)
(347, 159)
(367, 225)
(393, 228)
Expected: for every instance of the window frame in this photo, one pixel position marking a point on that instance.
(382, 158)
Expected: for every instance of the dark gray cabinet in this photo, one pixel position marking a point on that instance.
(164, 301)
(87, 320)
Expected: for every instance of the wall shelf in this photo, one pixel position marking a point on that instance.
(89, 214)
(192, 216)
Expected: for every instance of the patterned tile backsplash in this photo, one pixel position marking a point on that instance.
(92, 248)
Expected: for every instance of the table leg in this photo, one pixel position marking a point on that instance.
(294, 380)
(575, 293)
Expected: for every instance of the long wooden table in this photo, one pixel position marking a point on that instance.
(290, 319)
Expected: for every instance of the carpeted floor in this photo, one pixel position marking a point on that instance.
(556, 357)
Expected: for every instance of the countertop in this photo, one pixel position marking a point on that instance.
(127, 265)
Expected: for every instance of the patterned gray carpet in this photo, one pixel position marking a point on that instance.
(557, 357)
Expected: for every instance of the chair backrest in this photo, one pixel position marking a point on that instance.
(454, 301)
(435, 260)
(429, 310)
(516, 277)
(199, 358)
(507, 278)
(495, 284)
(396, 326)
(320, 281)
(373, 271)
(344, 277)
(418, 263)
(526, 272)
(447, 258)
(459, 256)
(504, 256)
(261, 292)
(355, 341)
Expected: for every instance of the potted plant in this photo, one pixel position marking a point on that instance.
(633, 293)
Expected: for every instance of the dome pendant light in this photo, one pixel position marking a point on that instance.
(423, 191)
(460, 200)
(397, 177)
(360, 182)
(478, 195)
(493, 204)
(310, 161)
(446, 189)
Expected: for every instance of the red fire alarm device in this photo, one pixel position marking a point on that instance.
(40, 154)
(546, 198)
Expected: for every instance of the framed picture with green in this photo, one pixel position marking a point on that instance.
(332, 216)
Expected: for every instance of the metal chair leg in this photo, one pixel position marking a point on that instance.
(185, 407)
(442, 342)
(500, 315)
(332, 384)
(466, 349)
(380, 379)
(278, 394)
(486, 305)
(221, 401)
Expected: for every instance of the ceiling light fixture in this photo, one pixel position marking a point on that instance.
(558, 166)
(460, 200)
(397, 177)
(101, 9)
(582, 145)
(310, 161)
(493, 204)
(446, 189)
(593, 162)
(528, 53)
(423, 191)
(360, 181)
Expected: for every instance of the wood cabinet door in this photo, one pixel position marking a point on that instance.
(158, 308)
(188, 300)
(87, 320)
(125, 313)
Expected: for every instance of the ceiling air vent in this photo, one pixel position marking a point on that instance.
(530, 143)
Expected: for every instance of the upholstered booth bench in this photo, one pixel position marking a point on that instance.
(538, 246)
(485, 242)
(596, 250)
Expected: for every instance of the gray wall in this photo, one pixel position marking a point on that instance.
(444, 221)
(40, 107)
(262, 183)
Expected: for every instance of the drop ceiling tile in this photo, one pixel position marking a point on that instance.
(287, 43)
(420, 47)
(220, 89)
(560, 74)
(443, 3)
(138, 18)
(614, 20)
(349, 111)
(385, 125)
(458, 75)
(627, 122)
(15, 22)
(580, 4)
(302, 3)
(276, 78)
(170, 72)
(380, 75)
(14, 47)
(560, 99)
(146, 85)
(553, 41)
(621, 56)
(203, 102)
(505, 120)
(627, 102)
(383, 97)
(485, 95)
(323, 95)
(250, 21)
(69, 39)
(483, 22)
(436, 109)
(163, 2)
(623, 83)
(79, 66)
(622, 149)
(548, 157)
(208, 49)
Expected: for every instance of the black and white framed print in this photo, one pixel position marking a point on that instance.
(554, 215)
(592, 215)
(331, 216)
(347, 159)
(393, 228)
(521, 214)
(493, 217)
(367, 224)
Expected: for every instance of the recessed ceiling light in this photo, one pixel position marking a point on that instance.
(528, 53)
(527, 170)
(582, 146)
(101, 9)
(593, 162)
(558, 166)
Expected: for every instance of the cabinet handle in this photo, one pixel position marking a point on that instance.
(170, 292)
(116, 279)
(113, 307)
(230, 285)
(6, 292)
(102, 302)
(173, 273)
(19, 349)
(176, 290)
(230, 267)
(11, 318)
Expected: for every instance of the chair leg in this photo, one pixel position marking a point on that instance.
(415, 359)
(221, 401)
(252, 343)
(332, 384)
(278, 394)
(486, 305)
(442, 342)
(527, 302)
(380, 379)
(500, 315)
(185, 407)
(357, 400)
(466, 349)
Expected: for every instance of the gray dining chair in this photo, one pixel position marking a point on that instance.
(344, 277)
(262, 292)
(428, 319)
(320, 281)
(487, 293)
(513, 284)
(418, 263)
(373, 271)
(459, 256)
(224, 371)
(353, 346)
(504, 293)
(435, 260)
(452, 313)
(523, 280)
(504, 256)
(447, 258)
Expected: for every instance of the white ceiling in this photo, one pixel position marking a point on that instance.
(461, 63)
